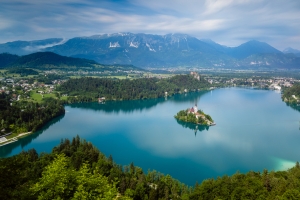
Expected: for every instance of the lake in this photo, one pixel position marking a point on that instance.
(255, 130)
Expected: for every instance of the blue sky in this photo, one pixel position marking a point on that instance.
(228, 22)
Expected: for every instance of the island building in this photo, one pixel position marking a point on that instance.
(194, 110)
(195, 75)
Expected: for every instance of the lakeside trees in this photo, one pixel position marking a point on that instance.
(89, 89)
(288, 93)
(197, 118)
(27, 116)
(77, 170)
(24, 116)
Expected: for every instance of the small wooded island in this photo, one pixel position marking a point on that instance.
(193, 115)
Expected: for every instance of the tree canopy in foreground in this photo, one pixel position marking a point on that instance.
(77, 170)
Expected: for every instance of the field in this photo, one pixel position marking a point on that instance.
(37, 97)
(5, 74)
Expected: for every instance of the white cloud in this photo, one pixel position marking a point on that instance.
(228, 22)
(214, 6)
(5, 23)
(41, 47)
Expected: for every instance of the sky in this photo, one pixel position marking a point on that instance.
(227, 22)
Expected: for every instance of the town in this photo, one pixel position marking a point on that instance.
(38, 87)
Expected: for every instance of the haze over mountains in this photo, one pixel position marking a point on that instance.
(171, 50)
(26, 47)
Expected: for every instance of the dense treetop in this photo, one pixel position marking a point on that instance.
(197, 118)
(6, 59)
(77, 170)
(289, 92)
(26, 116)
(89, 89)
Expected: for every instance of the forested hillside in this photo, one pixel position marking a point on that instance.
(89, 89)
(49, 61)
(77, 170)
(6, 59)
(291, 94)
(27, 116)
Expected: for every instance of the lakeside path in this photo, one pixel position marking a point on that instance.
(5, 141)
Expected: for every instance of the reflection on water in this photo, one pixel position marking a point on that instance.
(253, 127)
(120, 106)
(139, 105)
(194, 127)
(107, 107)
(295, 106)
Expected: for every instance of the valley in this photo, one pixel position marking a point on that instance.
(59, 96)
(149, 100)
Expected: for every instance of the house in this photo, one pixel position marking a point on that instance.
(101, 99)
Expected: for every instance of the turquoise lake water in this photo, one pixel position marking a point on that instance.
(255, 130)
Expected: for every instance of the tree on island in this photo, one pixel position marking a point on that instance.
(195, 116)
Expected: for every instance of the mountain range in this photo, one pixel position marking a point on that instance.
(158, 51)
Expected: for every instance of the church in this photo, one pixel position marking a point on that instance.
(193, 110)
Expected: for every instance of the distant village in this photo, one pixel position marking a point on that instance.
(20, 88)
(275, 83)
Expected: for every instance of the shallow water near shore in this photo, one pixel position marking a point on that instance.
(255, 130)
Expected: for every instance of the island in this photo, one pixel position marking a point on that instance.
(193, 115)
(30, 101)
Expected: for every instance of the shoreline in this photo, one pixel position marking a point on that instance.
(13, 139)
(212, 124)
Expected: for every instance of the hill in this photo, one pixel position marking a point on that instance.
(7, 59)
(250, 48)
(50, 60)
(27, 47)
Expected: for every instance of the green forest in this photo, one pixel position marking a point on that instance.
(288, 92)
(24, 116)
(77, 170)
(90, 89)
(50, 60)
(186, 116)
